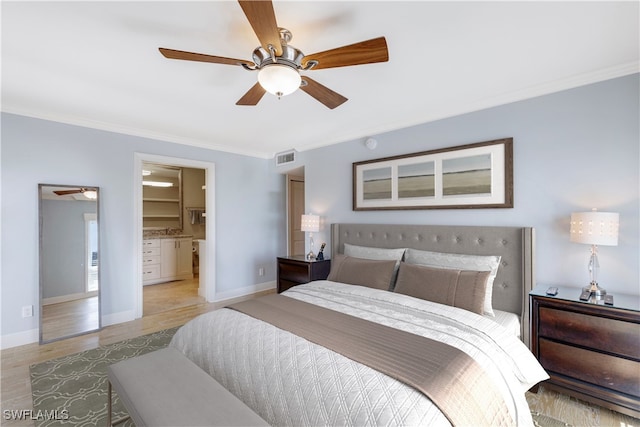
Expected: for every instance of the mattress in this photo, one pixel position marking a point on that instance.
(509, 321)
(290, 381)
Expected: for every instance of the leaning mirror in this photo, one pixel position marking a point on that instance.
(69, 261)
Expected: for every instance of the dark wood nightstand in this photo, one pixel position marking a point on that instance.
(296, 270)
(590, 350)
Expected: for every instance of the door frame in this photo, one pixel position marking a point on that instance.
(209, 278)
(88, 258)
(290, 220)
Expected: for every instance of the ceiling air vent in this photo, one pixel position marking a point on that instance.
(285, 158)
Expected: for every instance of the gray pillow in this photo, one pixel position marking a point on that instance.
(457, 288)
(488, 263)
(364, 272)
(366, 252)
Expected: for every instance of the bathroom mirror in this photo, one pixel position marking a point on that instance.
(69, 261)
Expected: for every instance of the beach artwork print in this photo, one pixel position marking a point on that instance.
(466, 175)
(416, 180)
(377, 184)
(476, 175)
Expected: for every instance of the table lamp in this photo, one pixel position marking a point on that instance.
(594, 228)
(311, 224)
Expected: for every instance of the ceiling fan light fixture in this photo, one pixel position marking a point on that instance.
(279, 80)
(90, 194)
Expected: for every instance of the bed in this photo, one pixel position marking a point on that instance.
(292, 374)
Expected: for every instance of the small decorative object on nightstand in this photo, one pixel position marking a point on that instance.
(590, 350)
(296, 270)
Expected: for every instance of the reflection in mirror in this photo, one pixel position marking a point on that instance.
(69, 261)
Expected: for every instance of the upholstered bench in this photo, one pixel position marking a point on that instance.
(165, 388)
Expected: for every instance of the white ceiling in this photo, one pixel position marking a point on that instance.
(97, 64)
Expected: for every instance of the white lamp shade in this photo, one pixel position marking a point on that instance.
(595, 228)
(90, 194)
(279, 80)
(310, 223)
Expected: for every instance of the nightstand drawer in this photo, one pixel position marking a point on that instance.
(604, 370)
(599, 333)
(294, 272)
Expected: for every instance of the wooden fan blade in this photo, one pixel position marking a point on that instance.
(253, 96)
(201, 57)
(366, 52)
(322, 93)
(262, 18)
(65, 192)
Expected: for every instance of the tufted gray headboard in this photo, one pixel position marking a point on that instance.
(514, 244)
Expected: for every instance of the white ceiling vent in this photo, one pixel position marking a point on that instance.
(285, 158)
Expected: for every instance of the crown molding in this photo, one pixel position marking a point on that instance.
(534, 91)
(142, 133)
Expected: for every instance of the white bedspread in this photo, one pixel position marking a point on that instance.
(290, 381)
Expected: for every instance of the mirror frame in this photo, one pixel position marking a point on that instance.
(42, 339)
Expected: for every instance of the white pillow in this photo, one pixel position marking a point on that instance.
(366, 252)
(373, 253)
(459, 262)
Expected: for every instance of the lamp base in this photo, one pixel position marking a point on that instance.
(311, 256)
(595, 290)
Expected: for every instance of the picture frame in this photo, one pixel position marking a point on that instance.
(469, 176)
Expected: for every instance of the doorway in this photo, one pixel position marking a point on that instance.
(174, 225)
(295, 210)
(186, 290)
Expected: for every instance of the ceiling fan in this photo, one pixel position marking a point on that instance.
(279, 64)
(87, 192)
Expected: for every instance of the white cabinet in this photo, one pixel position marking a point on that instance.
(167, 259)
(184, 260)
(176, 259)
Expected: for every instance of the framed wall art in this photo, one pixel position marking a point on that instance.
(468, 176)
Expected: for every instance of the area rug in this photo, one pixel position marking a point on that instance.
(72, 390)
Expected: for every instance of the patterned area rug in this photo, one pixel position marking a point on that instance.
(72, 390)
(540, 420)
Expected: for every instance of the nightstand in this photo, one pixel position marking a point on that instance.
(590, 350)
(296, 270)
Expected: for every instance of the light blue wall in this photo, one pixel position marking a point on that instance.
(250, 209)
(573, 150)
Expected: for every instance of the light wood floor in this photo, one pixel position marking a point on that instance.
(171, 295)
(70, 318)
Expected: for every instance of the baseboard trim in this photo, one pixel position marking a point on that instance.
(33, 335)
(244, 291)
(20, 338)
(120, 317)
(70, 297)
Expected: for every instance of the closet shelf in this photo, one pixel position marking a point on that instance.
(155, 199)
